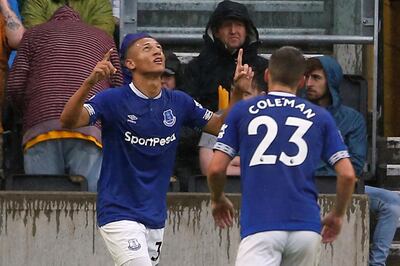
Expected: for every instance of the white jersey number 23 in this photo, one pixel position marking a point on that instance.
(272, 130)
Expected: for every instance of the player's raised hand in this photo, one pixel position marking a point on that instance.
(222, 211)
(332, 224)
(102, 70)
(243, 76)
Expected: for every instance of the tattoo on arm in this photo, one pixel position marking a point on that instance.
(12, 24)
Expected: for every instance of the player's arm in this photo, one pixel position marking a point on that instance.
(222, 208)
(234, 166)
(242, 80)
(344, 189)
(217, 173)
(346, 179)
(214, 124)
(205, 157)
(74, 114)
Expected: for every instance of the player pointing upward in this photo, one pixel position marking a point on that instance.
(140, 131)
(281, 139)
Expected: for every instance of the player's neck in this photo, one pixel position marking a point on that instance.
(277, 87)
(148, 85)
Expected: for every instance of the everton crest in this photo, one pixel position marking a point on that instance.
(133, 244)
(169, 118)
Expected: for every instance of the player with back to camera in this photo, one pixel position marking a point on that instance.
(281, 139)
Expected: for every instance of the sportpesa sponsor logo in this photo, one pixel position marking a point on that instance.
(152, 142)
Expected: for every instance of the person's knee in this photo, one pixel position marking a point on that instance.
(392, 204)
(394, 210)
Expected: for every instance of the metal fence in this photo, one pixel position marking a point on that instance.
(325, 21)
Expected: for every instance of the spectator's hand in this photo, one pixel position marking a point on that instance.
(104, 69)
(332, 224)
(243, 76)
(222, 211)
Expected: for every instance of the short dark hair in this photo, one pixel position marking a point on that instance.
(258, 80)
(287, 65)
(313, 64)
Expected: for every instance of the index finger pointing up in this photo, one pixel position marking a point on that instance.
(106, 56)
(239, 57)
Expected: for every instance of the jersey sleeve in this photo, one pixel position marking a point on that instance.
(207, 140)
(96, 107)
(334, 147)
(195, 115)
(228, 137)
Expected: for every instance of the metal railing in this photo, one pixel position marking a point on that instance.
(320, 22)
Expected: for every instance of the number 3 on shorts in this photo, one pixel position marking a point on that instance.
(158, 244)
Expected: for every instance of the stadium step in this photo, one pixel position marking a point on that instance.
(395, 248)
(388, 170)
(394, 255)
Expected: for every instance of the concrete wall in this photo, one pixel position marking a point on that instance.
(59, 229)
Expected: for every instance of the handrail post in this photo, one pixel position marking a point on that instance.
(377, 25)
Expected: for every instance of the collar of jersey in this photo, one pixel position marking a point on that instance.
(281, 93)
(140, 94)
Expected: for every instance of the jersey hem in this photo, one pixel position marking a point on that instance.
(102, 222)
(310, 227)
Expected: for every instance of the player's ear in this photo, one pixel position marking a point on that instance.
(266, 75)
(301, 82)
(130, 64)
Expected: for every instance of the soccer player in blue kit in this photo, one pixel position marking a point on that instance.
(281, 139)
(140, 131)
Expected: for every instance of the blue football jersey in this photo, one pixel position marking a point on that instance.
(140, 136)
(281, 139)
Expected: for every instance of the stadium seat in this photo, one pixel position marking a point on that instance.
(174, 185)
(13, 162)
(327, 185)
(198, 183)
(354, 93)
(46, 183)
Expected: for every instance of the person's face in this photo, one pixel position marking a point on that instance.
(146, 56)
(232, 33)
(168, 81)
(316, 84)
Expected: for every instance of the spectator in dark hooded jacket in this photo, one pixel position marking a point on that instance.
(208, 77)
(324, 77)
